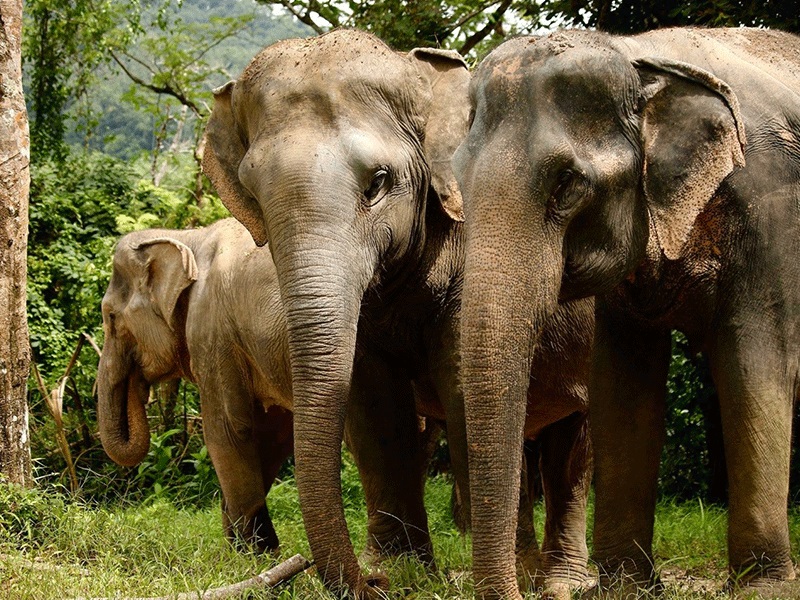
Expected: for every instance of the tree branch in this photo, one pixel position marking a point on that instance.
(484, 31)
(466, 19)
(303, 18)
(165, 90)
(93, 344)
(277, 574)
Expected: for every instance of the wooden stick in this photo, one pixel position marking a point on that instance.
(270, 578)
(93, 344)
(37, 565)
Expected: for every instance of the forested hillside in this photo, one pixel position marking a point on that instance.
(125, 124)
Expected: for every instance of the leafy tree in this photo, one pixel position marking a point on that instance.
(633, 16)
(465, 25)
(65, 46)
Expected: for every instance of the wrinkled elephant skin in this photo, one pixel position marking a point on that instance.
(337, 150)
(660, 173)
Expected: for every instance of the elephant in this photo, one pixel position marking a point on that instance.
(620, 168)
(337, 150)
(204, 305)
(180, 305)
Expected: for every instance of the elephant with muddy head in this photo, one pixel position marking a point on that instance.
(337, 150)
(660, 173)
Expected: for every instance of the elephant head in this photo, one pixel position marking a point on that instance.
(330, 148)
(576, 157)
(144, 337)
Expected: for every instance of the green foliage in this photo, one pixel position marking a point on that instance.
(685, 469)
(182, 51)
(464, 25)
(67, 43)
(634, 16)
(163, 474)
(26, 515)
(406, 25)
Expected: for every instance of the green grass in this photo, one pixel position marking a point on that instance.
(156, 549)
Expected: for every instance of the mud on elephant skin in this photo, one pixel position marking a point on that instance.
(660, 173)
(181, 304)
(337, 149)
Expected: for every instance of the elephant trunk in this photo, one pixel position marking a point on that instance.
(122, 397)
(510, 289)
(322, 300)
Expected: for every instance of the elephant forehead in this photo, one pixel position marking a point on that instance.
(578, 62)
(326, 89)
(339, 58)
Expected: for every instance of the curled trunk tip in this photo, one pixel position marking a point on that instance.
(122, 416)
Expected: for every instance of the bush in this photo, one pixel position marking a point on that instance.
(686, 470)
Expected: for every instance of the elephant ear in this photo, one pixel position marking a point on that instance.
(171, 268)
(447, 121)
(693, 138)
(223, 153)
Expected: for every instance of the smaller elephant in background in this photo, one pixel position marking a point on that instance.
(202, 305)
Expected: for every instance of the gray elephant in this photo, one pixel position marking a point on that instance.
(337, 150)
(180, 304)
(615, 166)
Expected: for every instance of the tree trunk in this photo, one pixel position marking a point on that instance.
(15, 457)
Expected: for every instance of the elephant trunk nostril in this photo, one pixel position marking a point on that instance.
(377, 581)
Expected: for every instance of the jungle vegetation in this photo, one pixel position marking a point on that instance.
(117, 93)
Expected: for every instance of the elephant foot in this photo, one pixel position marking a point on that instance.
(625, 584)
(773, 583)
(383, 543)
(558, 591)
(628, 573)
(561, 587)
(253, 532)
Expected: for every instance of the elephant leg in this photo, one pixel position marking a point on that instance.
(757, 389)
(566, 472)
(235, 454)
(273, 433)
(530, 565)
(382, 432)
(627, 407)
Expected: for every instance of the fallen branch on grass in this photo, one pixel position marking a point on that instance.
(270, 578)
(39, 565)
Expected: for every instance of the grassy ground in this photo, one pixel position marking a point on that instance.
(156, 549)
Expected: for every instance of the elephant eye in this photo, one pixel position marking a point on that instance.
(377, 187)
(571, 187)
(562, 183)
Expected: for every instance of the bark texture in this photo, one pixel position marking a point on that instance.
(15, 458)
